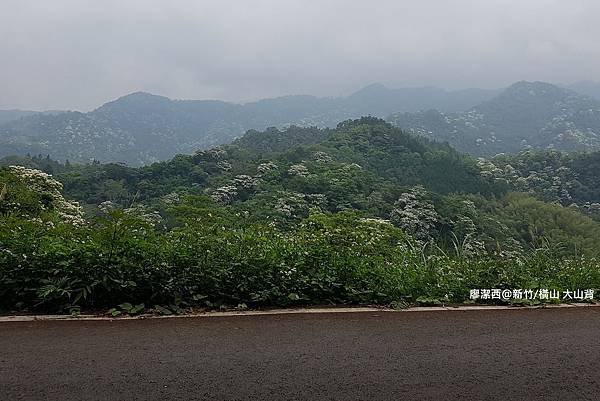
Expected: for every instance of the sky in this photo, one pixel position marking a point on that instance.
(78, 54)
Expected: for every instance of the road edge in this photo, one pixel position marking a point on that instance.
(289, 311)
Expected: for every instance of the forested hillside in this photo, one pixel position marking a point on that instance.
(363, 213)
(141, 128)
(527, 115)
(569, 179)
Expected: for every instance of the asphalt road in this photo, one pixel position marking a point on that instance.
(459, 355)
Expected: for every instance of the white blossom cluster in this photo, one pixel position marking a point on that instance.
(224, 165)
(551, 182)
(299, 170)
(43, 183)
(491, 171)
(374, 220)
(467, 244)
(264, 168)
(217, 155)
(152, 217)
(225, 194)
(212, 153)
(107, 206)
(322, 157)
(415, 214)
(374, 231)
(171, 198)
(244, 181)
(290, 204)
(294, 204)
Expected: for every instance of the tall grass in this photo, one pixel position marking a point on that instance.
(326, 260)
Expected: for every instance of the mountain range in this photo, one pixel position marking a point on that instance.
(141, 128)
(525, 115)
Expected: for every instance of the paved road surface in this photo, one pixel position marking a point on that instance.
(458, 355)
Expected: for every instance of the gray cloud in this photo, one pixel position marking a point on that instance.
(77, 54)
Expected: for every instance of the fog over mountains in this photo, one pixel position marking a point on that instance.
(534, 115)
(141, 128)
(10, 115)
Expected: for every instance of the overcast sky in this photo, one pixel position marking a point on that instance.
(77, 54)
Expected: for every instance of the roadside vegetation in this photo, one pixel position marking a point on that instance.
(363, 214)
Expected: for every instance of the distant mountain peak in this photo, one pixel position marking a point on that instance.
(527, 99)
(372, 89)
(526, 114)
(535, 88)
(530, 84)
(140, 95)
(137, 100)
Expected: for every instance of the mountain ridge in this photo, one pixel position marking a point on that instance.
(140, 128)
(535, 115)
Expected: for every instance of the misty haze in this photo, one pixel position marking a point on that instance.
(337, 200)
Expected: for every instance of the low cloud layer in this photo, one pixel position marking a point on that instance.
(77, 54)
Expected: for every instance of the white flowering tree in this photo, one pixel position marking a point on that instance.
(31, 193)
(415, 214)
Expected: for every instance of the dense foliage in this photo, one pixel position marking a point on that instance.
(533, 115)
(363, 213)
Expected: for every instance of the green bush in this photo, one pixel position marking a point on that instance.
(327, 259)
